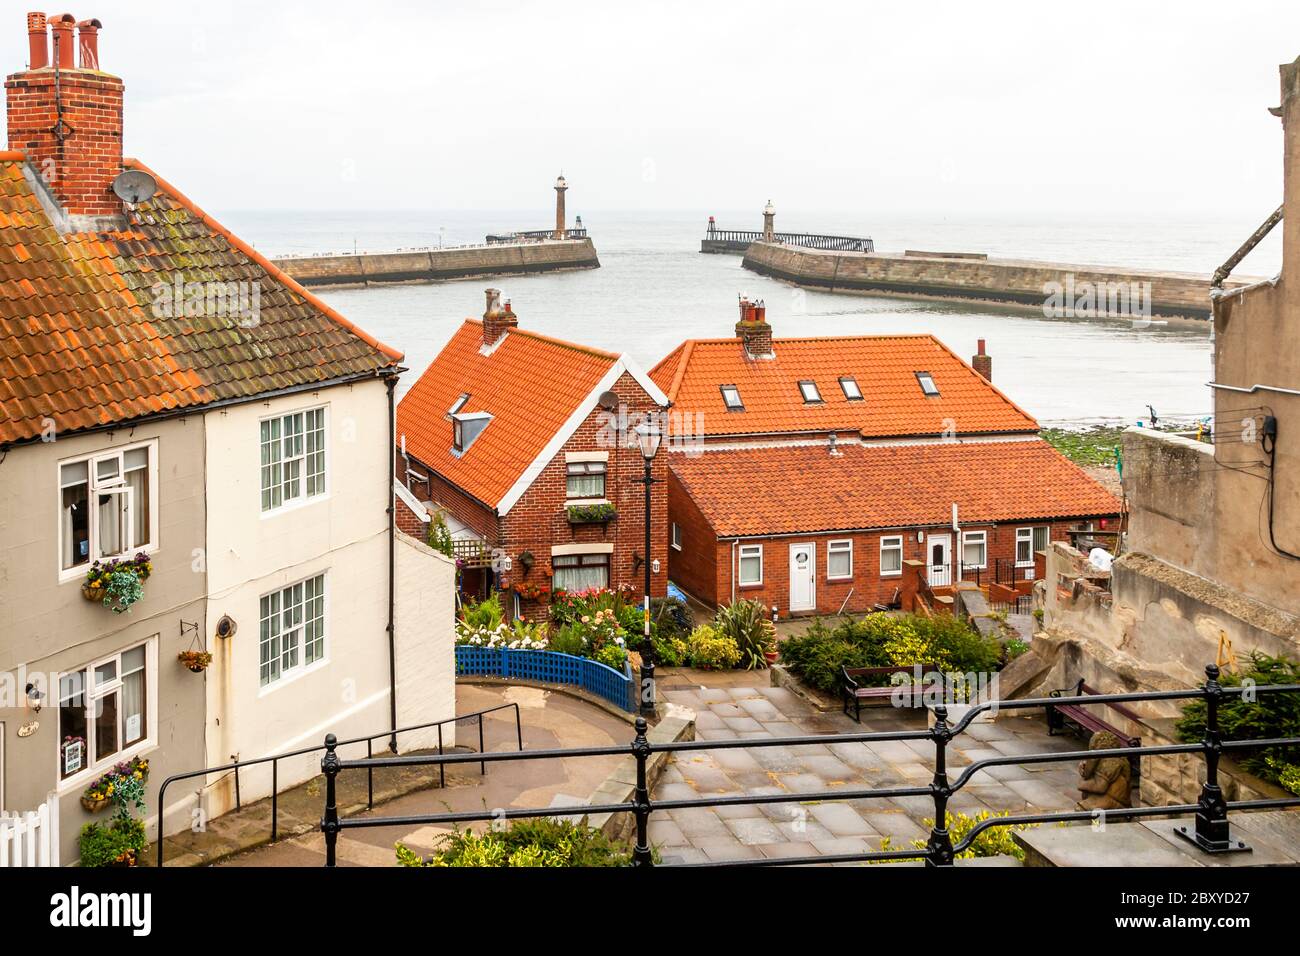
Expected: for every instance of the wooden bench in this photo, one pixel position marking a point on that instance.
(1058, 715)
(853, 693)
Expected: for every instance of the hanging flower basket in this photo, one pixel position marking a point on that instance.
(117, 584)
(93, 804)
(196, 661)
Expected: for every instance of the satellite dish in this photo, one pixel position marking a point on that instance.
(134, 186)
(608, 401)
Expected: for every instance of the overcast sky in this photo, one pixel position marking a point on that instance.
(1129, 109)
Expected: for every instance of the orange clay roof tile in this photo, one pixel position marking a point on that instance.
(885, 368)
(80, 341)
(806, 489)
(531, 384)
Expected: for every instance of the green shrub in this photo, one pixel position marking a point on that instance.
(994, 841)
(568, 639)
(1014, 648)
(526, 843)
(1288, 775)
(671, 617)
(439, 535)
(486, 615)
(671, 651)
(712, 651)
(119, 844)
(611, 655)
(1269, 715)
(745, 622)
(887, 640)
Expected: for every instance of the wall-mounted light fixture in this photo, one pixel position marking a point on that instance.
(35, 699)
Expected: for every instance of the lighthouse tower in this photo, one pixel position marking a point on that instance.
(560, 188)
(769, 222)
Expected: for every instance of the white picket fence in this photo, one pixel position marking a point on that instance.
(31, 838)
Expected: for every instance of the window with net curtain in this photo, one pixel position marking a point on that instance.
(106, 504)
(102, 710)
(586, 479)
(578, 572)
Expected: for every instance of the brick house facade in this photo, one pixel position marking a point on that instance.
(512, 497)
(813, 463)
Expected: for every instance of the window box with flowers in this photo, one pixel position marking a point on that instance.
(591, 514)
(532, 591)
(117, 584)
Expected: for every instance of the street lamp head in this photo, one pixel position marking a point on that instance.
(648, 437)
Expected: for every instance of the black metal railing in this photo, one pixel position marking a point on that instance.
(805, 239)
(534, 235)
(275, 759)
(1211, 831)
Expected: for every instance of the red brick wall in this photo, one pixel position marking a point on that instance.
(695, 567)
(81, 169)
(409, 523)
(867, 586)
(538, 521)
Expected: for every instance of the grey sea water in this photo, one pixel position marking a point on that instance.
(655, 289)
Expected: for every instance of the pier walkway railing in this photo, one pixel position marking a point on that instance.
(804, 239)
(533, 235)
(1210, 832)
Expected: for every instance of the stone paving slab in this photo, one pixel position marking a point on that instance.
(804, 827)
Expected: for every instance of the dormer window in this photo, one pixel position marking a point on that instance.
(849, 385)
(465, 428)
(457, 405)
(926, 381)
(810, 393)
(731, 397)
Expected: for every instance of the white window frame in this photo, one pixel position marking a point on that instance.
(845, 382)
(931, 389)
(288, 675)
(749, 551)
(676, 538)
(838, 546)
(581, 559)
(811, 394)
(94, 768)
(585, 468)
(302, 499)
(892, 542)
(1029, 533)
(78, 571)
(740, 401)
(972, 536)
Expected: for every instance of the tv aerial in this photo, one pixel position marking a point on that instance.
(134, 186)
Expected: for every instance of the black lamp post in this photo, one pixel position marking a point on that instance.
(648, 437)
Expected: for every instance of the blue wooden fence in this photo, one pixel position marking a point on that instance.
(550, 667)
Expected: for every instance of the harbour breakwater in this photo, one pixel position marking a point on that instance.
(433, 265)
(1058, 289)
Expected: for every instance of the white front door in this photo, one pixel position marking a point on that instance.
(803, 577)
(938, 547)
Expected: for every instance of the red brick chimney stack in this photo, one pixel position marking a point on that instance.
(498, 319)
(983, 362)
(755, 334)
(67, 117)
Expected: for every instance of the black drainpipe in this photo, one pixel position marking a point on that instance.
(392, 561)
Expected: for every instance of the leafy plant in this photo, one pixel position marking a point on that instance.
(121, 583)
(568, 639)
(611, 655)
(712, 651)
(1014, 648)
(525, 843)
(671, 651)
(1288, 775)
(438, 536)
(1267, 715)
(106, 786)
(485, 615)
(745, 623)
(119, 844)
